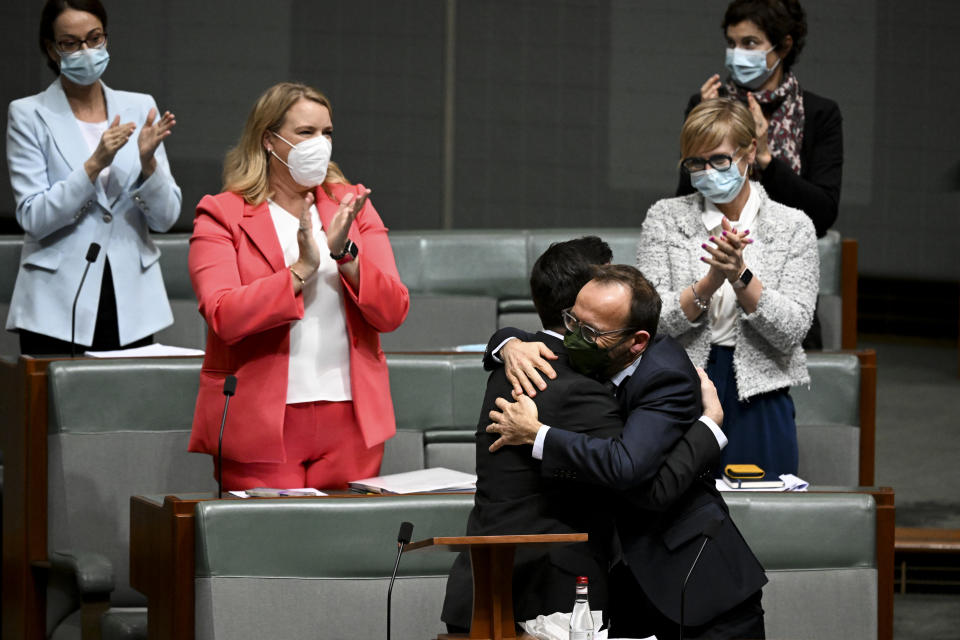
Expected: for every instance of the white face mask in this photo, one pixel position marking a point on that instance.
(308, 160)
(748, 67)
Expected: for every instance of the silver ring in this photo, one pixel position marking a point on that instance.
(304, 229)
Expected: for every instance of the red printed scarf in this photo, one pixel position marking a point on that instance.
(785, 133)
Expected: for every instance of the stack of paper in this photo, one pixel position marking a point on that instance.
(433, 480)
(790, 483)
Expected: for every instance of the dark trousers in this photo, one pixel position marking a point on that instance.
(632, 615)
(762, 430)
(106, 334)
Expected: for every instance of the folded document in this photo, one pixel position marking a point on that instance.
(432, 480)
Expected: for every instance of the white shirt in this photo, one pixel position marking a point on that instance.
(723, 305)
(92, 132)
(319, 367)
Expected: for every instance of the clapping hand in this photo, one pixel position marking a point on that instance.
(347, 212)
(726, 259)
(111, 141)
(151, 135)
(762, 126)
(309, 259)
(711, 88)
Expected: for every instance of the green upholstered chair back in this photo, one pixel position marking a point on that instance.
(828, 420)
(117, 428)
(321, 567)
(436, 401)
(10, 249)
(189, 328)
(819, 552)
(830, 297)
(495, 265)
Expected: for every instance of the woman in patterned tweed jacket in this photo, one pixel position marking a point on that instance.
(738, 274)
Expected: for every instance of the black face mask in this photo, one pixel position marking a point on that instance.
(588, 358)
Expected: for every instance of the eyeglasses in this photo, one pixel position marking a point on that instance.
(719, 161)
(94, 40)
(588, 333)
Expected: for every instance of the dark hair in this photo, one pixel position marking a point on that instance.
(559, 274)
(776, 18)
(52, 10)
(645, 302)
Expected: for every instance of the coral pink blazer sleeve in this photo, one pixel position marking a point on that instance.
(245, 295)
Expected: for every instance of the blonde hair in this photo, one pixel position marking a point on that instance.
(246, 167)
(713, 121)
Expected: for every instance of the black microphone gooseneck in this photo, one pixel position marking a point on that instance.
(709, 532)
(406, 530)
(229, 388)
(92, 252)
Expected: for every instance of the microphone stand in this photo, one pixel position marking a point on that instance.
(403, 537)
(229, 388)
(709, 532)
(92, 252)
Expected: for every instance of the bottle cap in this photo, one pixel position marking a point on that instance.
(582, 580)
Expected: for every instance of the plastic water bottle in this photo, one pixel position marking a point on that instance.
(581, 620)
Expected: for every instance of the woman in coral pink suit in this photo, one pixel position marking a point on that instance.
(296, 279)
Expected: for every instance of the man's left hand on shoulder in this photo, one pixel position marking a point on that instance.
(516, 422)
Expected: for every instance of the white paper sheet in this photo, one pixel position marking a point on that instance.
(432, 480)
(790, 483)
(281, 493)
(149, 351)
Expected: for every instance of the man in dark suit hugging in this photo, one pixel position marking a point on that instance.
(612, 336)
(514, 497)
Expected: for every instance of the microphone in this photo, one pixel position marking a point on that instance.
(403, 537)
(92, 252)
(709, 532)
(229, 388)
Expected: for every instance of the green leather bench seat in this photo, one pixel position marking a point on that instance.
(189, 329)
(117, 428)
(307, 568)
(10, 248)
(497, 263)
(437, 401)
(819, 552)
(828, 420)
(463, 284)
(320, 568)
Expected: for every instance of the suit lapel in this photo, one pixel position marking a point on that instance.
(258, 225)
(56, 114)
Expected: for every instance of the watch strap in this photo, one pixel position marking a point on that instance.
(744, 280)
(349, 253)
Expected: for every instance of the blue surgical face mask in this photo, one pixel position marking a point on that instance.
(748, 67)
(84, 67)
(719, 187)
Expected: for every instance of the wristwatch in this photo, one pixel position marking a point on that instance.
(350, 251)
(743, 280)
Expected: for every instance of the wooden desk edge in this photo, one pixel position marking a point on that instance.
(456, 543)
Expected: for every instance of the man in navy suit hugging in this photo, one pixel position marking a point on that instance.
(611, 335)
(514, 497)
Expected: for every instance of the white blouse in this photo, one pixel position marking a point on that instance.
(319, 367)
(92, 132)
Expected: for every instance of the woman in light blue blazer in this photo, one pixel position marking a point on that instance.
(87, 165)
